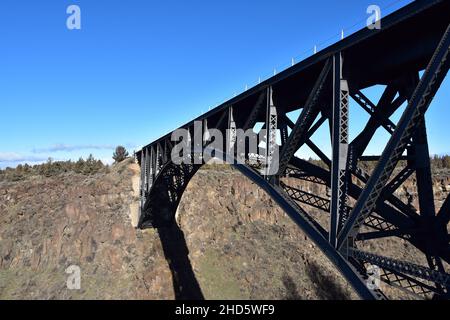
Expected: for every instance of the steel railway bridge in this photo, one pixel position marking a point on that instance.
(409, 57)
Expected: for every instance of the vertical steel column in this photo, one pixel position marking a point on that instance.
(152, 173)
(271, 134)
(189, 145)
(198, 142)
(425, 192)
(231, 131)
(423, 170)
(165, 152)
(206, 135)
(338, 207)
(143, 178)
(158, 157)
(157, 164)
(147, 171)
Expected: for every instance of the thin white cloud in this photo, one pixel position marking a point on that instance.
(68, 148)
(13, 157)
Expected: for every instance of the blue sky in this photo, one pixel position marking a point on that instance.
(137, 69)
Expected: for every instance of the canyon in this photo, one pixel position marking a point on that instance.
(231, 241)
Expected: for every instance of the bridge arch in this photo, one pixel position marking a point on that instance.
(320, 88)
(165, 194)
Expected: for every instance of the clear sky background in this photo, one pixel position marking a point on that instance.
(138, 69)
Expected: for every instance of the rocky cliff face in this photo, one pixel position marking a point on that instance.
(231, 242)
(243, 246)
(48, 224)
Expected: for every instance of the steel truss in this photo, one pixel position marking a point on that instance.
(361, 207)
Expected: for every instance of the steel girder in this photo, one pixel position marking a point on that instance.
(418, 105)
(362, 209)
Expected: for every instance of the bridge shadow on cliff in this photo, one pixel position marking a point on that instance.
(176, 252)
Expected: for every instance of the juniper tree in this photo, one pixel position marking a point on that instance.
(120, 154)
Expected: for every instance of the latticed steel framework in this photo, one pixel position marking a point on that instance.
(351, 211)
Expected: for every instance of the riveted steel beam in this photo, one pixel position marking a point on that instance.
(339, 164)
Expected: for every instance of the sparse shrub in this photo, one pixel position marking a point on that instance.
(120, 154)
(446, 161)
(53, 168)
(439, 163)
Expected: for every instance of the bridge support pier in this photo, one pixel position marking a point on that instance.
(339, 165)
